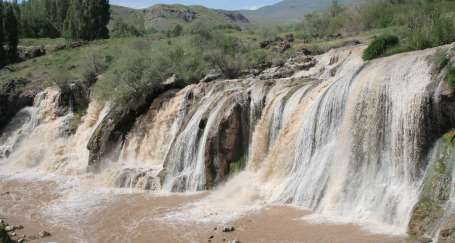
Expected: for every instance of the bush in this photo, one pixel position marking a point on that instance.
(379, 46)
(122, 29)
(138, 72)
(440, 59)
(94, 65)
(451, 76)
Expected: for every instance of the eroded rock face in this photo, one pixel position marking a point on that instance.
(437, 188)
(116, 125)
(227, 144)
(13, 97)
(447, 233)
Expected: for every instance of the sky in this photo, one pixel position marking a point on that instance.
(217, 4)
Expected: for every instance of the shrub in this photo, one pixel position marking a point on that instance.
(122, 29)
(379, 46)
(451, 76)
(138, 72)
(440, 59)
(94, 65)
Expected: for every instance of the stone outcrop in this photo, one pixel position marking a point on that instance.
(226, 144)
(15, 95)
(431, 208)
(118, 123)
(25, 53)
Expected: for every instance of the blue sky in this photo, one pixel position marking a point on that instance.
(218, 4)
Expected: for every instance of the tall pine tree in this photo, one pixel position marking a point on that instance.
(12, 33)
(3, 58)
(73, 25)
(102, 15)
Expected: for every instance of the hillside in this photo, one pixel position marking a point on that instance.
(163, 17)
(288, 10)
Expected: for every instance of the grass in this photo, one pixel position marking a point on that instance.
(42, 42)
(70, 62)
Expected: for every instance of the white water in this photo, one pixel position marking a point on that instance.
(346, 146)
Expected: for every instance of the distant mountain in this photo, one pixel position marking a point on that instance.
(288, 10)
(163, 17)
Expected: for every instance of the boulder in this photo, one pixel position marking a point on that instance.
(15, 95)
(4, 237)
(26, 53)
(228, 229)
(447, 232)
(44, 234)
(10, 228)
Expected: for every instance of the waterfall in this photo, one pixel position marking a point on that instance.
(345, 138)
(38, 137)
(351, 146)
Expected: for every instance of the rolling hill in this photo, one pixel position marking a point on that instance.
(163, 16)
(287, 10)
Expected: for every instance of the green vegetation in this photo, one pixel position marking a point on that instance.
(451, 76)
(122, 29)
(436, 190)
(442, 62)
(379, 46)
(141, 66)
(288, 11)
(237, 166)
(419, 24)
(185, 43)
(73, 19)
(9, 35)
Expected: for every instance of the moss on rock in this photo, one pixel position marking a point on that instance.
(429, 211)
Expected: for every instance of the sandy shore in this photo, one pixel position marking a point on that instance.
(138, 217)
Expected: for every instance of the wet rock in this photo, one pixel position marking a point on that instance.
(118, 122)
(228, 228)
(44, 234)
(447, 233)
(430, 209)
(9, 228)
(211, 76)
(21, 240)
(15, 95)
(4, 237)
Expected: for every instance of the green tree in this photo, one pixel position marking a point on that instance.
(100, 15)
(2, 38)
(87, 20)
(73, 24)
(12, 33)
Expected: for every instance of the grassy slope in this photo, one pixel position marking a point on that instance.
(69, 62)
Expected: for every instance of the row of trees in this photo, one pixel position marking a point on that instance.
(9, 38)
(72, 19)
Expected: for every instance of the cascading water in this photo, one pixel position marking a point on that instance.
(345, 138)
